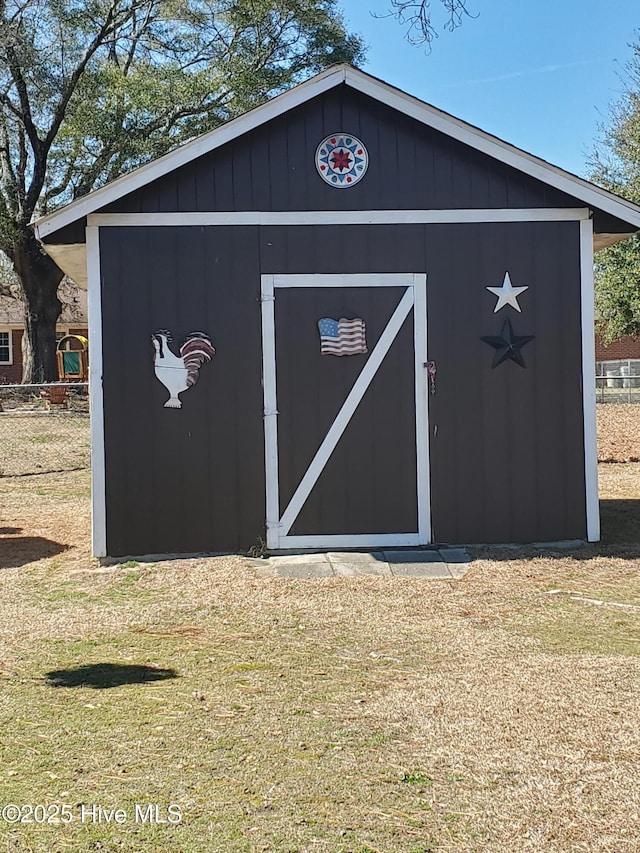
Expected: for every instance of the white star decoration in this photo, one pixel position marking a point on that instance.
(507, 294)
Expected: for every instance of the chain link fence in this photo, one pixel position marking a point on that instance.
(618, 381)
(44, 428)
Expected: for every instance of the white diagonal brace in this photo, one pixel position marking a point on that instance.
(346, 412)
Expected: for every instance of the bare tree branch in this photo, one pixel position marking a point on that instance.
(9, 184)
(418, 17)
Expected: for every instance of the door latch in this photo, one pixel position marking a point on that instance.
(431, 371)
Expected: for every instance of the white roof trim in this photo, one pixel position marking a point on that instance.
(189, 151)
(498, 149)
(384, 93)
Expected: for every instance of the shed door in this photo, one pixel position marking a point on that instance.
(346, 435)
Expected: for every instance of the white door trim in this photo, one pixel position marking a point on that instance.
(365, 540)
(422, 407)
(278, 527)
(270, 409)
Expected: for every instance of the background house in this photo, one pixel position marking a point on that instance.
(72, 321)
(625, 348)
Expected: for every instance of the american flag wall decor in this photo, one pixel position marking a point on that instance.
(342, 337)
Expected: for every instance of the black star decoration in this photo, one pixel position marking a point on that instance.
(507, 345)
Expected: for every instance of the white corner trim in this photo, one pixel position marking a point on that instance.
(382, 92)
(587, 319)
(272, 508)
(96, 397)
(341, 217)
(345, 414)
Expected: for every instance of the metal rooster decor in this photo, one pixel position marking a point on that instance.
(178, 373)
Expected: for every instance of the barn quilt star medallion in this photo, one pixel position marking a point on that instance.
(341, 160)
(507, 345)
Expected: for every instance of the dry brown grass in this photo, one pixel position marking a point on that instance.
(337, 714)
(618, 432)
(43, 442)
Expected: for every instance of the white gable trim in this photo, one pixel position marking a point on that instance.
(380, 91)
(494, 147)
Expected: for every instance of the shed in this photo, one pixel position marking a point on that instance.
(345, 319)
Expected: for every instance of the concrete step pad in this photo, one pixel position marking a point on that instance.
(442, 564)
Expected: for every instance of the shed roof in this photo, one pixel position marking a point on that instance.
(71, 257)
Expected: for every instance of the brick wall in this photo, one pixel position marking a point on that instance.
(13, 372)
(10, 373)
(624, 348)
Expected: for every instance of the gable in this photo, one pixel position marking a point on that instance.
(420, 159)
(411, 166)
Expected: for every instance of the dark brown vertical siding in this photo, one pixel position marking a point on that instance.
(187, 480)
(506, 450)
(369, 483)
(507, 460)
(506, 445)
(411, 166)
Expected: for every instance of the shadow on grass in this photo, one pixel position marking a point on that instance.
(101, 676)
(17, 551)
(620, 521)
(619, 537)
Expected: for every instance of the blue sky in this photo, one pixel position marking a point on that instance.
(537, 73)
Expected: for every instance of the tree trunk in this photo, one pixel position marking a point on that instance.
(40, 278)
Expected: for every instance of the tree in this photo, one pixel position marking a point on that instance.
(92, 88)
(9, 282)
(615, 165)
(417, 15)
